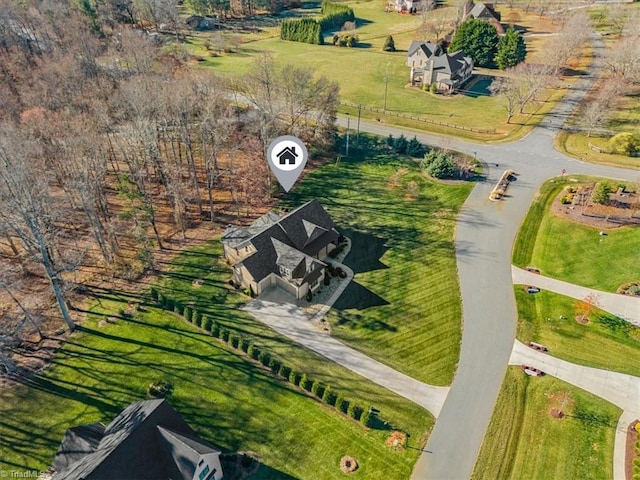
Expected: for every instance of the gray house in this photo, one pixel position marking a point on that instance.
(431, 65)
(284, 251)
(148, 440)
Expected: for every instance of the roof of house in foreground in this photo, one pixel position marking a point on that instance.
(147, 440)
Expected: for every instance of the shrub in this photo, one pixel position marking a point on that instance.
(328, 397)
(198, 319)
(389, 45)
(305, 383)
(365, 418)
(206, 323)
(400, 145)
(342, 403)
(264, 358)
(224, 334)
(294, 378)
(442, 166)
(188, 314)
(154, 294)
(307, 30)
(625, 143)
(178, 308)
(274, 365)
(284, 371)
(244, 345)
(564, 201)
(415, 148)
(169, 303)
(601, 193)
(317, 389)
(161, 300)
(433, 88)
(234, 341)
(215, 329)
(252, 351)
(390, 140)
(327, 279)
(160, 389)
(354, 411)
(309, 296)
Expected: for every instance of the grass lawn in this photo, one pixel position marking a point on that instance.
(539, 321)
(366, 85)
(572, 252)
(228, 400)
(403, 307)
(525, 441)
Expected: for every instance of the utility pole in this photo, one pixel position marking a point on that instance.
(386, 84)
(347, 146)
(358, 131)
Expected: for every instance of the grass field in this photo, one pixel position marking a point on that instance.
(403, 307)
(525, 441)
(572, 252)
(539, 321)
(361, 71)
(227, 400)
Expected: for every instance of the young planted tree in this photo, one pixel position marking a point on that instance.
(389, 45)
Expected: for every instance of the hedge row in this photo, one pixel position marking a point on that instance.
(309, 30)
(301, 380)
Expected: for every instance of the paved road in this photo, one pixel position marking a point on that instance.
(289, 320)
(623, 306)
(484, 239)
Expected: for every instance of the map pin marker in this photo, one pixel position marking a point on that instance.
(287, 157)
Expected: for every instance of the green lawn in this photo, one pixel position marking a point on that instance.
(525, 441)
(539, 321)
(404, 306)
(572, 252)
(227, 399)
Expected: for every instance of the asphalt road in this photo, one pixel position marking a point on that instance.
(484, 238)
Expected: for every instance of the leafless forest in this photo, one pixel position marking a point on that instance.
(111, 147)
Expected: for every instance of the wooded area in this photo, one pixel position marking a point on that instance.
(109, 145)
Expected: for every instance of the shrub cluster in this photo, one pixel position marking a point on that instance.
(309, 30)
(412, 148)
(334, 15)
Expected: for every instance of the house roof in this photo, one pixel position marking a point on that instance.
(480, 10)
(298, 236)
(428, 48)
(237, 237)
(147, 440)
(451, 63)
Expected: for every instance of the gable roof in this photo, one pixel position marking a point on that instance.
(451, 63)
(297, 236)
(135, 445)
(480, 10)
(428, 48)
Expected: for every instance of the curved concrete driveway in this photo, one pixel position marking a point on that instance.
(484, 238)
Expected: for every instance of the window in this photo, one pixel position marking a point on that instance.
(204, 473)
(285, 272)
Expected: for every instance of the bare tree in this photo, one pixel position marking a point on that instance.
(599, 105)
(27, 207)
(624, 59)
(510, 90)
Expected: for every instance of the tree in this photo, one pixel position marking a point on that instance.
(623, 60)
(601, 193)
(440, 164)
(511, 49)
(389, 45)
(510, 90)
(478, 39)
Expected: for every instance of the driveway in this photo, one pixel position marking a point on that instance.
(289, 320)
(623, 306)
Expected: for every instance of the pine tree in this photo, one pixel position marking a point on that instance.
(477, 39)
(511, 49)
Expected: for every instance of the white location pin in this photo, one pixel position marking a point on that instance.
(287, 157)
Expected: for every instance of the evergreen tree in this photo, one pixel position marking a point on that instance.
(477, 39)
(389, 45)
(511, 50)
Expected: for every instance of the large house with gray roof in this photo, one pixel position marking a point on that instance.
(430, 64)
(284, 251)
(148, 440)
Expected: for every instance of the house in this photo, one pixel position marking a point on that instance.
(147, 440)
(284, 251)
(431, 65)
(487, 13)
(406, 5)
(288, 154)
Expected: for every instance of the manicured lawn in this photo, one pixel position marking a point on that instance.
(404, 306)
(576, 253)
(228, 400)
(605, 342)
(525, 441)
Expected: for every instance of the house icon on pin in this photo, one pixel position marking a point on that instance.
(287, 154)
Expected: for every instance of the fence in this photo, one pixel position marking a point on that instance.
(595, 148)
(418, 119)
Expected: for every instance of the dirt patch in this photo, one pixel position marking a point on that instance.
(582, 319)
(396, 439)
(348, 464)
(560, 403)
(556, 413)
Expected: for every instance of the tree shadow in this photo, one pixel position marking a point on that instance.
(358, 297)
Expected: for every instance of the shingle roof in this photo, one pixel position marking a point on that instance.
(133, 447)
(428, 48)
(480, 10)
(451, 63)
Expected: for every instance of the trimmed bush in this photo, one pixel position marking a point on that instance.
(207, 323)
(154, 294)
(317, 389)
(178, 308)
(224, 334)
(389, 45)
(169, 303)
(342, 403)
(294, 378)
(365, 418)
(305, 383)
(234, 341)
(354, 411)
(244, 345)
(284, 371)
(328, 397)
(309, 296)
(252, 351)
(274, 365)
(327, 279)
(264, 358)
(198, 319)
(188, 314)
(306, 30)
